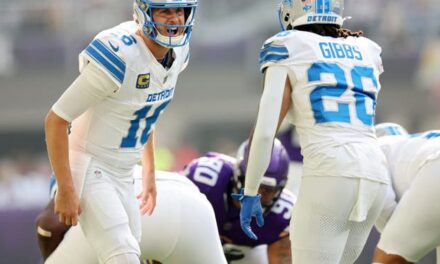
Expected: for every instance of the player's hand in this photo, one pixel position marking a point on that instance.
(250, 207)
(147, 197)
(67, 206)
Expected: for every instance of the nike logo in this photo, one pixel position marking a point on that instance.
(115, 49)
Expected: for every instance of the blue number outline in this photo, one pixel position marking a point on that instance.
(128, 40)
(359, 93)
(131, 139)
(320, 115)
(343, 113)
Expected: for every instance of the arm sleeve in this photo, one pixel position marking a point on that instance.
(265, 128)
(89, 88)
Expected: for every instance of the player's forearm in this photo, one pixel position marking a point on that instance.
(148, 157)
(265, 128)
(56, 130)
(279, 252)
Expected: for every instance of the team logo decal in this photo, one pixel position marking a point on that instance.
(143, 81)
(307, 5)
(114, 48)
(288, 3)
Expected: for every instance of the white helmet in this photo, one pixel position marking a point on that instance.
(390, 129)
(143, 15)
(294, 13)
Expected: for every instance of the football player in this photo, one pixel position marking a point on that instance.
(289, 138)
(325, 78)
(410, 220)
(218, 175)
(181, 230)
(128, 76)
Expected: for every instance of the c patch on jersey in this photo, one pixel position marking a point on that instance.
(143, 81)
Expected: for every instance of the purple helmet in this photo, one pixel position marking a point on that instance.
(276, 174)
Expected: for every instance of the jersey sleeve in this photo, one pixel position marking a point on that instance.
(89, 88)
(377, 59)
(106, 52)
(274, 51)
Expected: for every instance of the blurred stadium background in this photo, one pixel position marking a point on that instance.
(216, 99)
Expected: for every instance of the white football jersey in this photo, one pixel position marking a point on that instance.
(335, 85)
(407, 154)
(116, 129)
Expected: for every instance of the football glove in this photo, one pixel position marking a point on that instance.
(250, 207)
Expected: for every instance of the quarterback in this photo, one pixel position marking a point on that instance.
(128, 75)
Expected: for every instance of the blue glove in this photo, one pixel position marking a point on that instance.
(250, 207)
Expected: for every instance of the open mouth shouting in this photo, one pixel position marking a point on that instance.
(174, 31)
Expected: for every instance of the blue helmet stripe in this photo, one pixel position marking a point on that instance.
(118, 74)
(391, 130)
(323, 6)
(110, 55)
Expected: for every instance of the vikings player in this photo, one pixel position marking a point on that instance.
(218, 175)
(128, 75)
(410, 220)
(289, 138)
(326, 80)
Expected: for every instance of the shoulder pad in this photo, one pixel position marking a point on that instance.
(221, 156)
(209, 172)
(376, 52)
(275, 49)
(107, 52)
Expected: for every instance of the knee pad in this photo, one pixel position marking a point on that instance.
(115, 241)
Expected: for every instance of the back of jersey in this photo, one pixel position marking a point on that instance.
(406, 154)
(334, 85)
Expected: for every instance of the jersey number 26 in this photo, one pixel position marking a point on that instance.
(361, 93)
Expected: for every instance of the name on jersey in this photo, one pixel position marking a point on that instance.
(322, 18)
(160, 96)
(340, 51)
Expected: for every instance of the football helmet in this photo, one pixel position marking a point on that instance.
(275, 176)
(294, 13)
(143, 16)
(390, 129)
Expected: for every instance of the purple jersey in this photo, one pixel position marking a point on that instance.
(213, 175)
(290, 142)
